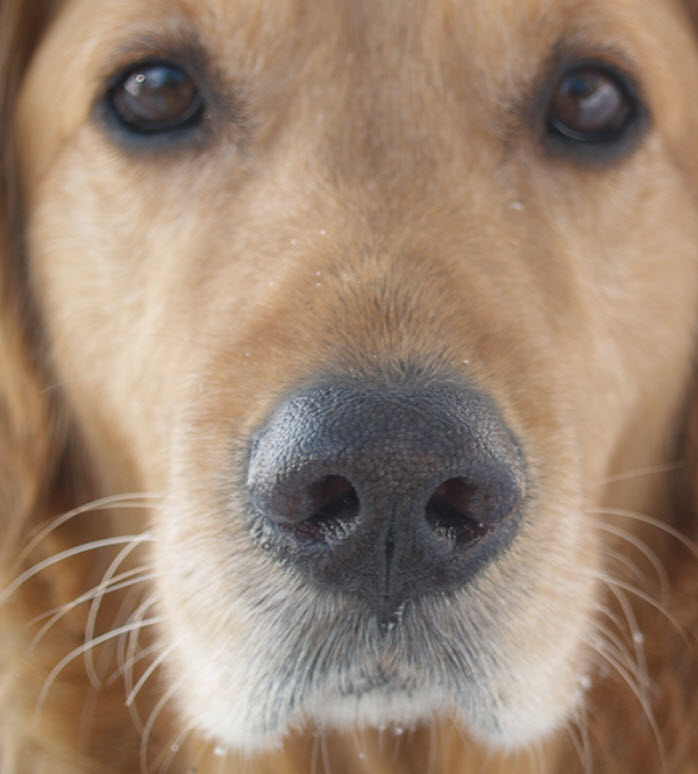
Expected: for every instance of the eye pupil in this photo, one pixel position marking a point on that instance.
(589, 105)
(156, 97)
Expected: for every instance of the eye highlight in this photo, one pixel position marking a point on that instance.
(155, 97)
(592, 105)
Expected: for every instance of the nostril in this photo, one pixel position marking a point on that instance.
(454, 511)
(332, 498)
(331, 506)
(385, 491)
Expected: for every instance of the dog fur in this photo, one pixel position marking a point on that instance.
(371, 196)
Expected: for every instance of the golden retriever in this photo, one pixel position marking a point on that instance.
(347, 363)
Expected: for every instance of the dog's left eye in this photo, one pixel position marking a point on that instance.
(156, 97)
(591, 104)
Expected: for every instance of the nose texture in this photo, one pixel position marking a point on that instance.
(386, 492)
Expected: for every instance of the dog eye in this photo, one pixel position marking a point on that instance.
(590, 104)
(156, 97)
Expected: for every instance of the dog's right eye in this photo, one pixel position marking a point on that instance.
(154, 98)
(590, 105)
(594, 113)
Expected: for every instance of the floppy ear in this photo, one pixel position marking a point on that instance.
(25, 434)
(692, 8)
(692, 424)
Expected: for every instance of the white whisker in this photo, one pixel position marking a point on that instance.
(620, 668)
(325, 754)
(91, 621)
(128, 500)
(122, 669)
(148, 728)
(629, 568)
(650, 521)
(640, 594)
(67, 554)
(634, 629)
(126, 651)
(174, 748)
(119, 582)
(642, 547)
(644, 472)
(621, 652)
(146, 675)
(580, 741)
(55, 672)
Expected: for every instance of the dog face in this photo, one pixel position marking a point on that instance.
(375, 297)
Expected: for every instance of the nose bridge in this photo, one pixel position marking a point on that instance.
(376, 106)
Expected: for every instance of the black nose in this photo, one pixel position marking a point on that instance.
(386, 492)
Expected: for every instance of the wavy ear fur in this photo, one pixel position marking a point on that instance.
(692, 423)
(692, 10)
(26, 439)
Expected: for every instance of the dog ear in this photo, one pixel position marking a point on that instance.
(691, 434)
(692, 8)
(25, 435)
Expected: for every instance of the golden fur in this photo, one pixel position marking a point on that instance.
(372, 195)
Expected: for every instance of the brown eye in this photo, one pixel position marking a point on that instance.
(590, 105)
(156, 97)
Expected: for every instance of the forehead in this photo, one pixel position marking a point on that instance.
(503, 34)
(470, 64)
(491, 49)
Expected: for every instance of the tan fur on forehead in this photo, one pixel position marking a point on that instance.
(373, 202)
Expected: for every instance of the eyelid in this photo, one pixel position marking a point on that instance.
(606, 79)
(183, 48)
(120, 94)
(225, 113)
(567, 57)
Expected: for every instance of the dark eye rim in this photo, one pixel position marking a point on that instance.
(189, 120)
(624, 87)
(602, 148)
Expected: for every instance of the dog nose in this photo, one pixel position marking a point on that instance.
(386, 492)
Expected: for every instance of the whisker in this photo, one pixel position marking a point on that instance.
(86, 596)
(148, 728)
(120, 582)
(538, 753)
(608, 656)
(621, 652)
(60, 666)
(67, 554)
(91, 621)
(434, 745)
(128, 643)
(605, 611)
(630, 569)
(325, 754)
(315, 755)
(128, 500)
(640, 594)
(123, 668)
(634, 629)
(174, 748)
(650, 521)
(146, 675)
(642, 547)
(580, 740)
(650, 470)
